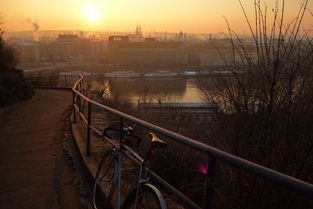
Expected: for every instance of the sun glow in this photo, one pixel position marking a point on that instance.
(91, 12)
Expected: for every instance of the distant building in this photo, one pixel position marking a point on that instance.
(71, 48)
(209, 53)
(214, 53)
(148, 52)
(182, 36)
(28, 52)
(35, 51)
(89, 50)
(66, 47)
(46, 51)
(137, 36)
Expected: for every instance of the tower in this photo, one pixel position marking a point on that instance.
(138, 31)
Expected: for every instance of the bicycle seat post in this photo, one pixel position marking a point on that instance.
(155, 142)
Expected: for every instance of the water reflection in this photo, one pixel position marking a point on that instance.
(155, 89)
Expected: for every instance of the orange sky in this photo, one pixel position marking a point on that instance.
(192, 16)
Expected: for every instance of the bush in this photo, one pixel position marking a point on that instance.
(13, 87)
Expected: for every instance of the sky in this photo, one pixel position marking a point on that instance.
(191, 16)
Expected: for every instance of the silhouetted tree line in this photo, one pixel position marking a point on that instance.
(13, 87)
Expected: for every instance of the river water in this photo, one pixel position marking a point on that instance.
(178, 90)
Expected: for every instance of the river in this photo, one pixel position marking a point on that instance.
(177, 90)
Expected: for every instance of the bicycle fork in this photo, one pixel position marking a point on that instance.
(140, 181)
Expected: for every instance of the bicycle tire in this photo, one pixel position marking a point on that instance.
(149, 197)
(105, 181)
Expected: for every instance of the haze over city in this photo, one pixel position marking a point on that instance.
(163, 104)
(201, 16)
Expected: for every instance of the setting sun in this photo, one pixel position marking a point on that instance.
(91, 12)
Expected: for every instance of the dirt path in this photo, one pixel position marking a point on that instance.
(35, 168)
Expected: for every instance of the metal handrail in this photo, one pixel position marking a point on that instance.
(50, 81)
(284, 180)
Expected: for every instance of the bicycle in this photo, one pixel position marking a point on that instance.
(108, 175)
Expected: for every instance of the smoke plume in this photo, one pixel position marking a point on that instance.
(35, 27)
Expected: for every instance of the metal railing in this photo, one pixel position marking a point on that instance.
(212, 153)
(50, 80)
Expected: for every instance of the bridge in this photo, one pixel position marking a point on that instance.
(19, 143)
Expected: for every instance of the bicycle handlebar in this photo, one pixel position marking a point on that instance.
(126, 132)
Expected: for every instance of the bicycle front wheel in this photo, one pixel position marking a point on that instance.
(147, 197)
(105, 181)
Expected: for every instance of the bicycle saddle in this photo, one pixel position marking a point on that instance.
(155, 141)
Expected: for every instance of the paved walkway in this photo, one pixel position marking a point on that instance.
(35, 170)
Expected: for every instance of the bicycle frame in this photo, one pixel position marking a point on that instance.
(122, 149)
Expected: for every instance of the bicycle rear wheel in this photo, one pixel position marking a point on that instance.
(105, 181)
(148, 197)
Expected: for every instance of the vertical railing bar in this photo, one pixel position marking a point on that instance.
(88, 129)
(209, 190)
(74, 109)
(66, 83)
(80, 98)
(119, 181)
(83, 90)
(79, 103)
(78, 87)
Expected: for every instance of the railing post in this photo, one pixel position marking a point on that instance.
(120, 158)
(83, 88)
(88, 129)
(65, 78)
(80, 99)
(80, 87)
(50, 81)
(79, 103)
(209, 190)
(74, 109)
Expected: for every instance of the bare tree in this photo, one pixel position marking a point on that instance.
(265, 110)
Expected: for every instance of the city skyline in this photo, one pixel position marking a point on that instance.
(199, 16)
